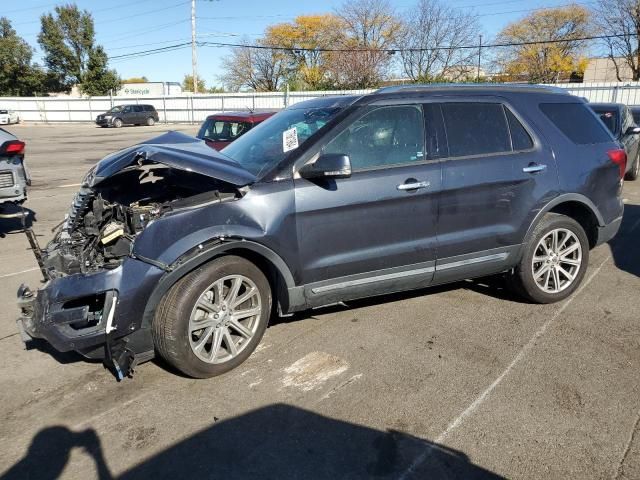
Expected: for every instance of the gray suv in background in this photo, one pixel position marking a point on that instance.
(175, 249)
(14, 176)
(128, 115)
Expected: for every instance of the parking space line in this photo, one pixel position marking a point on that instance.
(484, 395)
(18, 273)
(69, 185)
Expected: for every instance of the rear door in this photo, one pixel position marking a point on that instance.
(374, 232)
(138, 115)
(496, 174)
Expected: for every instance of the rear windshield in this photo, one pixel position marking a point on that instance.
(4, 112)
(222, 130)
(577, 122)
(609, 117)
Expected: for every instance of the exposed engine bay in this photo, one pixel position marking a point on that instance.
(104, 219)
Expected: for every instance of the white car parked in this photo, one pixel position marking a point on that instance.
(8, 117)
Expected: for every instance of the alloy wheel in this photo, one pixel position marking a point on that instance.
(557, 259)
(224, 319)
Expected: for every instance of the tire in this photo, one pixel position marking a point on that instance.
(634, 173)
(150, 122)
(181, 323)
(117, 123)
(552, 286)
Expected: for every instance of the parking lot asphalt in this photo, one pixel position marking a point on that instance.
(462, 381)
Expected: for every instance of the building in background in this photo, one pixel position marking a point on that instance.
(150, 89)
(604, 70)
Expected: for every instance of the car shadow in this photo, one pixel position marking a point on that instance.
(274, 442)
(624, 246)
(60, 357)
(11, 219)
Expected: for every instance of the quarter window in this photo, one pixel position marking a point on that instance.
(476, 128)
(577, 122)
(520, 139)
(383, 136)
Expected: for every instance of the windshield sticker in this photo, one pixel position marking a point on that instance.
(289, 140)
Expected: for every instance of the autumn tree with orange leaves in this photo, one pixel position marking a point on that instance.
(558, 56)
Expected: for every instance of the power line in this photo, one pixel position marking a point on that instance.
(530, 10)
(358, 50)
(416, 49)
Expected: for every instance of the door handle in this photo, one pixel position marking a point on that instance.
(534, 168)
(413, 186)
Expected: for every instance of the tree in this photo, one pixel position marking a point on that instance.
(98, 79)
(429, 27)
(71, 56)
(558, 53)
(306, 36)
(18, 76)
(260, 69)
(136, 80)
(370, 26)
(621, 17)
(187, 84)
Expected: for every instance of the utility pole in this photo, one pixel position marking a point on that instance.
(479, 57)
(194, 53)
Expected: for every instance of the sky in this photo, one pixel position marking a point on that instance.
(136, 25)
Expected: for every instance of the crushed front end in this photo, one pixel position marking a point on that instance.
(96, 286)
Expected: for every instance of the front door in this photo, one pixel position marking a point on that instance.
(374, 232)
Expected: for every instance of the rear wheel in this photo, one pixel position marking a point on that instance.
(150, 122)
(213, 319)
(634, 173)
(117, 123)
(554, 262)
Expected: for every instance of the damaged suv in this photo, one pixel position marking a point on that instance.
(174, 249)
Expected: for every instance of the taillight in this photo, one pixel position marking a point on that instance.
(12, 147)
(619, 157)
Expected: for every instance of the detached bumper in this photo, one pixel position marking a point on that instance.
(84, 312)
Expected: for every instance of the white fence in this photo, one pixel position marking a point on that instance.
(193, 109)
(172, 109)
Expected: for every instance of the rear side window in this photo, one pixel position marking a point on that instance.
(520, 139)
(475, 128)
(148, 108)
(137, 108)
(577, 122)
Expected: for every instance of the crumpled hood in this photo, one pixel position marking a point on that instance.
(175, 150)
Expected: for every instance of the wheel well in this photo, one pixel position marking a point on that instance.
(276, 281)
(581, 214)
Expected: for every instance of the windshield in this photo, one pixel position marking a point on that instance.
(609, 117)
(222, 130)
(115, 109)
(266, 145)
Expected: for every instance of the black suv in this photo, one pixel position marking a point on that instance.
(620, 121)
(174, 248)
(128, 115)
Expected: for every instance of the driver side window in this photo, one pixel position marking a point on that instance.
(384, 136)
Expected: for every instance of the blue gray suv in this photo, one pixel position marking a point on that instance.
(174, 249)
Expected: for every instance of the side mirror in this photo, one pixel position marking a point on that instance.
(328, 165)
(633, 130)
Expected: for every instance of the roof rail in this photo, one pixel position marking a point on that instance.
(480, 86)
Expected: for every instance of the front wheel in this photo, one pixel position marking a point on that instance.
(554, 261)
(117, 123)
(213, 319)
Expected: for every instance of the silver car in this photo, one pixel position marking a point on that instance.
(14, 177)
